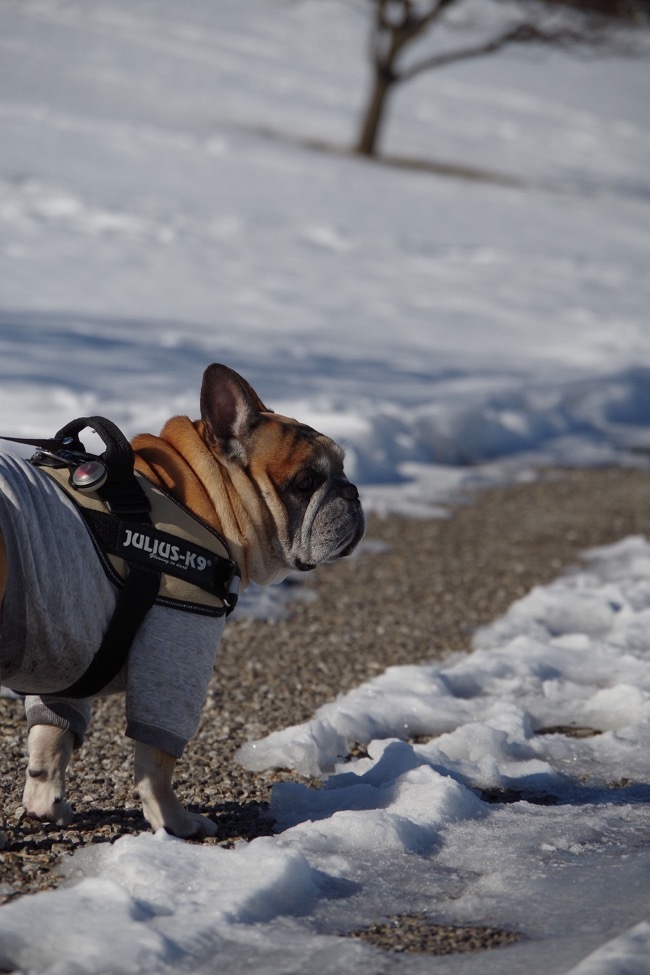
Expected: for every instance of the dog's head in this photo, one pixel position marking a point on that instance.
(281, 470)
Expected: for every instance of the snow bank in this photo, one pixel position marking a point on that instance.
(577, 422)
(168, 901)
(572, 653)
(627, 955)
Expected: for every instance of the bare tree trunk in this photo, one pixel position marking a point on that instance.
(374, 113)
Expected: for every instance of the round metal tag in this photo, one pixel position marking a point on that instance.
(89, 476)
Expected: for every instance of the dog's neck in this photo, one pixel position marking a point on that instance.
(181, 461)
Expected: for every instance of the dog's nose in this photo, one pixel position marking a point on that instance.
(349, 491)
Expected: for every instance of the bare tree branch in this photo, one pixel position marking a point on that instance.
(397, 23)
(521, 34)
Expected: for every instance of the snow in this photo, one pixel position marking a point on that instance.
(160, 210)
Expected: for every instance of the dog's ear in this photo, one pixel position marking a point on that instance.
(230, 409)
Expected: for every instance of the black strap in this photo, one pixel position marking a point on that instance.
(123, 496)
(46, 443)
(133, 603)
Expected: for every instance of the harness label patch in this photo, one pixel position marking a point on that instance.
(164, 551)
(167, 553)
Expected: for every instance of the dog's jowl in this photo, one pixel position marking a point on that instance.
(143, 568)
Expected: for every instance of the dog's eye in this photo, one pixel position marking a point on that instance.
(304, 482)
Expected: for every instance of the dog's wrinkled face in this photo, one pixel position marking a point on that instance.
(301, 472)
(283, 470)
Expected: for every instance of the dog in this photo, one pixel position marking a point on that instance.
(272, 487)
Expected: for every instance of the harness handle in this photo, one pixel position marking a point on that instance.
(121, 493)
(118, 449)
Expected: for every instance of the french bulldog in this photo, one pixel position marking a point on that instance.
(275, 490)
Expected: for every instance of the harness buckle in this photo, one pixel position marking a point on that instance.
(128, 507)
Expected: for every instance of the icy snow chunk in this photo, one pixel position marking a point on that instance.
(310, 749)
(169, 900)
(618, 706)
(397, 801)
(363, 832)
(90, 914)
(402, 702)
(252, 883)
(625, 955)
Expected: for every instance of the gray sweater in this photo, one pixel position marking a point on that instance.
(56, 608)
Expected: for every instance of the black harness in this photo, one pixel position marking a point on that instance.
(152, 547)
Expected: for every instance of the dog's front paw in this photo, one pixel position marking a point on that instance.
(173, 817)
(162, 810)
(191, 825)
(49, 749)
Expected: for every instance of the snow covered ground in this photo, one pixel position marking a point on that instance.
(157, 213)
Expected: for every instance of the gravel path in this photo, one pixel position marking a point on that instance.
(417, 595)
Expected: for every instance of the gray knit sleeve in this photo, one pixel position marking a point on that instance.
(60, 712)
(169, 669)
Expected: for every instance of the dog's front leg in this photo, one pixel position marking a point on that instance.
(49, 749)
(153, 782)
